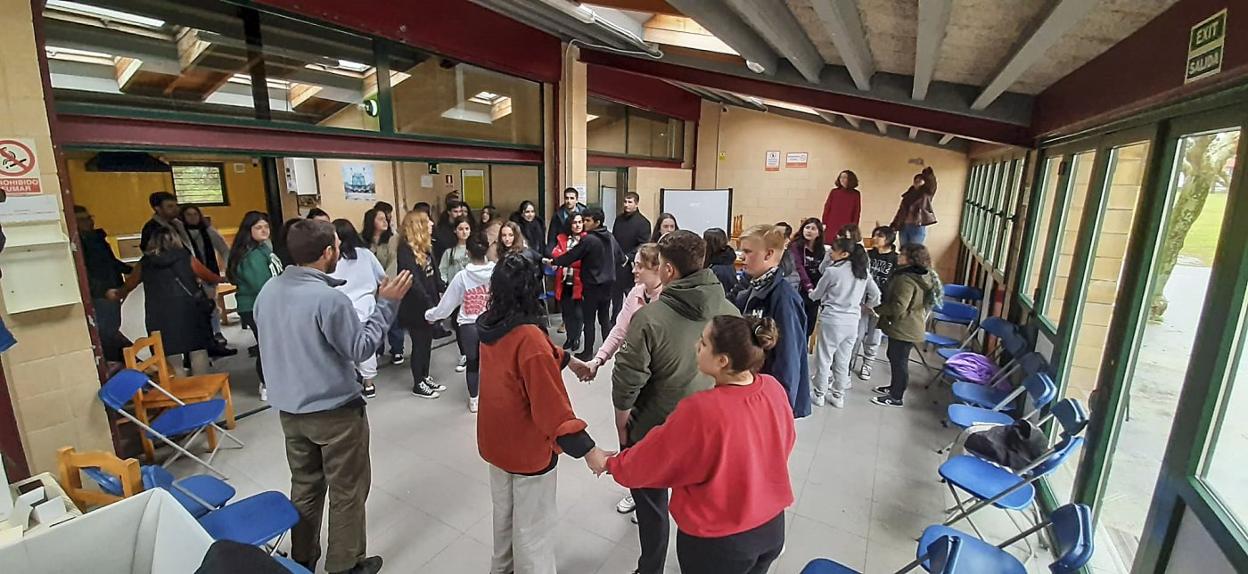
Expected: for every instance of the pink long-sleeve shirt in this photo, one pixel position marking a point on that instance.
(634, 300)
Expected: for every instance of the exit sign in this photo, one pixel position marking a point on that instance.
(1204, 47)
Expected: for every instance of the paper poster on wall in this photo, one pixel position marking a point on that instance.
(582, 194)
(358, 182)
(426, 181)
(773, 161)
(796, 159)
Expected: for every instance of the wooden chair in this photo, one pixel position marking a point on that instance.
(71, 463)
(192, 389)
(224, 289)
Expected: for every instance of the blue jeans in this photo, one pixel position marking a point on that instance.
(395, 338)
(913, 234)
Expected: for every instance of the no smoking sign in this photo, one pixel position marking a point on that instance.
(19, 168)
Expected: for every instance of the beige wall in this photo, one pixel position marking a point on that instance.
(506, 185)
(647, 181)
(333, 196)
(51, 373)
(885, 168)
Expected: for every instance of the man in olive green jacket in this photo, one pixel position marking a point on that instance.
(657, 366)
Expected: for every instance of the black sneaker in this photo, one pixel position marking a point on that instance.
(396, 359)
(370, 392)
(434, 385)
(370, 565)
(423, 391)
(882, 391)
(886, 401)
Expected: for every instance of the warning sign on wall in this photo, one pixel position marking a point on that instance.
(19, 168)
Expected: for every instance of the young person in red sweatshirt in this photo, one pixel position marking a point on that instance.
(724, 452)
(843, 206)
(526, 419)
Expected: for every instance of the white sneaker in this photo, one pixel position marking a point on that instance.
(463, 364)
(264, 393)
(626, 505)
(837, 400)
(820, 401)
(434, 385)
(865, 372)
(472, 404)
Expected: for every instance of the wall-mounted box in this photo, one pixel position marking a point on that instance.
(37, 261)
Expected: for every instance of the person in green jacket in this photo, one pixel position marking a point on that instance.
(251, 264)
(657, 366)
(912, 291)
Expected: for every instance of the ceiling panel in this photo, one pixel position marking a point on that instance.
(892, 29)
(981, 35)
(804, 10)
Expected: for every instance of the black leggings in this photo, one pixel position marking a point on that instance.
(422, 345)
(749, 552)
(248, 318)
(812, 315)
(571, 310)
(472, 350)
(899, 364)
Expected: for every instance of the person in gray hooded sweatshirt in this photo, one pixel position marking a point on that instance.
(310, 341)
(845, 287)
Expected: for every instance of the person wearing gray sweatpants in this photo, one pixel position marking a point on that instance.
(842, 292)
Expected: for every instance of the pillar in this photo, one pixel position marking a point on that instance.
(51, 373)
(573, 93)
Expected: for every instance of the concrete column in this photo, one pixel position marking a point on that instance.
(51, 372)
(573, 93)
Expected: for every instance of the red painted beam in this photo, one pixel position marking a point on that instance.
(1144, 70)
(595, 160)
(458, 29)
(100, 132)
(643, 92)
(931, 120)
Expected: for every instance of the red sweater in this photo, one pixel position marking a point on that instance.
(843, 206)
(724, 452)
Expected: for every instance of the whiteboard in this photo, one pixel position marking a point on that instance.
(698, 209)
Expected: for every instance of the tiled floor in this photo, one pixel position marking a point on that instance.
(864, 478)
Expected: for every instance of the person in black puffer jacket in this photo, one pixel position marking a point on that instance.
(600, 258)
(721, 258)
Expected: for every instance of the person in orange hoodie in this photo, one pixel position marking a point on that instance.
(525, 419)
(724, 452)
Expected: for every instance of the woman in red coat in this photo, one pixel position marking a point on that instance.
(843, 206)
(568, 284)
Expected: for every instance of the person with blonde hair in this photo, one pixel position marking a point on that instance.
(415, 245)
(769, 295)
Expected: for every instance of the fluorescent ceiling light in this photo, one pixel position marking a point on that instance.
(106, 13)
(58, 52)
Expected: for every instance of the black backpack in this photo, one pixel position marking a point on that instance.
(1013, 446)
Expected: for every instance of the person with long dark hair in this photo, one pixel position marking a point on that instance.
(808, 251)
(730, 486)
(843, 205)
(252, 263)
(666, 223)
(415, 238)
(883, 257)
(173, 298)
(468, 291)
(569, 287)
(600, 258)
(531, 226)
(562, 217)
(208, 246)
(360, 273)
(915, 213)
(455, 259)
(912, 291)
(379, 237)
(846, 286)
(770, 295)
(721, 258)
(526, 419)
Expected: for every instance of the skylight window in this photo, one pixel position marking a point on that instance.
(486, 98)
(353, 66)
(106, 14)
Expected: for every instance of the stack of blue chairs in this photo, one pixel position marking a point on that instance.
(960, 307)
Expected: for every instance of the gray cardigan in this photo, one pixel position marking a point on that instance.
(310, 340)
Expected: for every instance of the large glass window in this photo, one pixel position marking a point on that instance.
(158, 56)
(615, 128)
(317, 76)
(440, 97)
(1180, 281)
(1076, 200)
(1042, 212)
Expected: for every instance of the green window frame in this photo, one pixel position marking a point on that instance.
(991, 191)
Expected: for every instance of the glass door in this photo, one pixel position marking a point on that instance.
(1180, 277)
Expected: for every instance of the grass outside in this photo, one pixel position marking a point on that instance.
(1202, 239)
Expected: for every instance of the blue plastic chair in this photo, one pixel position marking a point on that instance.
(992, 485)
(962, 293)
(1072, 544)
(956, 313)
(941, 555)
(198, 494)
(184, 419)
(987, 395)
(255, 520)
(1038, 386)
(1012, 340)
